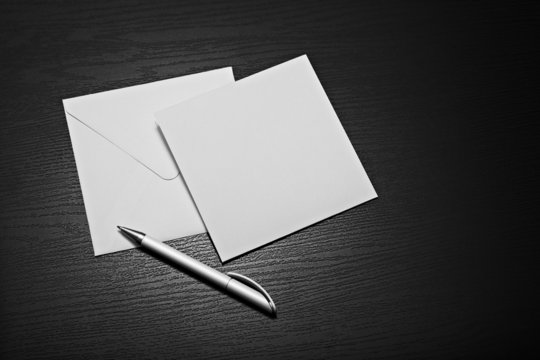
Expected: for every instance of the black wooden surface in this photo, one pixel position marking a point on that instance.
(439, 102)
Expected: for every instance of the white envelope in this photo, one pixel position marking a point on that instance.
(127, 174)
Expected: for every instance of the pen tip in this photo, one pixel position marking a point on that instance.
(132, 234)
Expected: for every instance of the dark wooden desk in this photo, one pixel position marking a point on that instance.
(439, 102)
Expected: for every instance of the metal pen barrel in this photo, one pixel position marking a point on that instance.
(214, 277)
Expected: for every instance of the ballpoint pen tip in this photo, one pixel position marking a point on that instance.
(132, 234)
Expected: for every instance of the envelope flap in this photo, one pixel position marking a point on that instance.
(125, 116)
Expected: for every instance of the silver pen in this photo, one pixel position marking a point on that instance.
(235, 284)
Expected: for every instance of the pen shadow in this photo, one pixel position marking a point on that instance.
(203, 280)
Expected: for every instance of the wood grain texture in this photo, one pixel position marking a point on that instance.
(438, 100)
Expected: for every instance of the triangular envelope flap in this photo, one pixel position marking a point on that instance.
(125, 116)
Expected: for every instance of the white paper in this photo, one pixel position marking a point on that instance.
(264, 157)
(127, 174)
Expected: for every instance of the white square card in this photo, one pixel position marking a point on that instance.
(264, 157)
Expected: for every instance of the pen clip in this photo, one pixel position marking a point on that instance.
(252, 284)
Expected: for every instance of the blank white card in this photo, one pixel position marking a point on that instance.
(264, 157)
